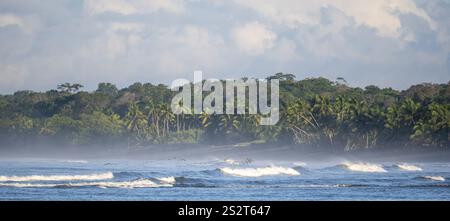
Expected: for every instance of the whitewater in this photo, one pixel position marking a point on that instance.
(144, 183)
(222, 179)
(435, 178)
(262, 171)
(100, 176)
(364, 167)
(408, 167)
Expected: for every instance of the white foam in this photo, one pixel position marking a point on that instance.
(407, 167)
(364, 167)
(434, 178)
(299, 164)
(27, 185)
(142, 183)
(231, 162)
(262, 171)
(100, 176)
(76, 161)
(167, 180)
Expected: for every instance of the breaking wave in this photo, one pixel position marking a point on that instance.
(128, 175)
(167, 180)
(257, 172)
(407, 167)
(231, 161)
(76, 161)
(434, 178)
(141, 183)
(330, 185)
(299, 164)
(364, 167)
(99, 176)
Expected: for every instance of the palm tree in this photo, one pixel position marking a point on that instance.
(184, 109)
(409, 110)
(135, 121)
(228, 123)
(434, 128)
(301, 122)
(205, 119)
(153, 117)
(167, 118)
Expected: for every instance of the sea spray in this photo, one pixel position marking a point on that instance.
(434, 178)
(141, 183)
(299, 164)
(364, 167)
(407, 167)
(75, 161)
(261, 171)
(99, 176)
(167, 180)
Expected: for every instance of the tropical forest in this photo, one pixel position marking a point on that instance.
(314, 112)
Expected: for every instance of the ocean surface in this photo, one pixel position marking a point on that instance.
(220, 179)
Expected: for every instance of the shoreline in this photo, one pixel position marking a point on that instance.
(259, 152)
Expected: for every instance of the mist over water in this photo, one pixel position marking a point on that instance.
(225, 173)
(270, 100)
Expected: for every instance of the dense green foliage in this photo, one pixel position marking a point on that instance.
(314, 112)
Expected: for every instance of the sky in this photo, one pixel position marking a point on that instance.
(388, 43)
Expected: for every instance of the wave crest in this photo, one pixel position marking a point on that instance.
(75, 161)
(141, 183)
(434, 178)
(299, 164)
(407, 167)
(99, 176)
(257, 172)
(167, 180)
(364, 167)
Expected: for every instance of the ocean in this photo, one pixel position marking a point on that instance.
(220, 179)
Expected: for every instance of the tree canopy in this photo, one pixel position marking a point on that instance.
(316, 112)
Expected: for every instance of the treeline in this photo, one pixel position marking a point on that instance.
(316, 112)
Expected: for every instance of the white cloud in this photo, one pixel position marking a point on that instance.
(253, 38)
(126, 27)
(189, 48)
(116, 40)
(198, 38)
(156, 52)
(174, 6)
(378, 14)
(27, 24)
(116, 6)
(285, 51)
(8, 19)
(129, 7)
(124, 41)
